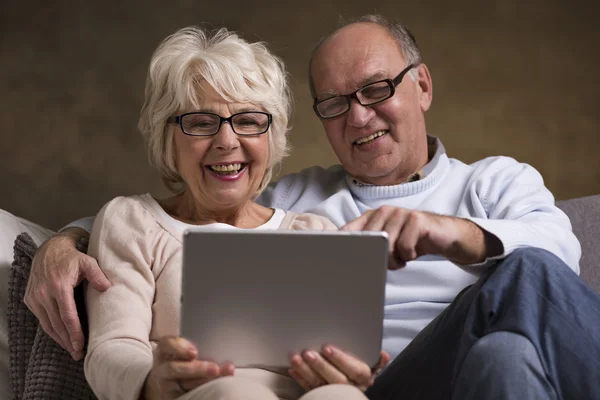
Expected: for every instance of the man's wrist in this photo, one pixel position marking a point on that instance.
(493, 245)
(84, 223)
(74, 236)
(470, 244)
(477, 244)
(74, 233)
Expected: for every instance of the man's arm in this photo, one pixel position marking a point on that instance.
(85, 223)
(301, 192)
(412, 234)
(516, 210)
(59, 265)
(520, 211)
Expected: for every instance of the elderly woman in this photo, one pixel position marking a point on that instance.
(215, 120)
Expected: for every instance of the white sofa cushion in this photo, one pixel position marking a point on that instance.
(10, 227)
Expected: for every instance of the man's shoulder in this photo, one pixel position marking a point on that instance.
(504, 168)
(315, 175)
(301, 190)
(495, 174)
(489, 166)
(491, 161)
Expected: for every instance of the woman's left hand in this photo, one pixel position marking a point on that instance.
(312, 369)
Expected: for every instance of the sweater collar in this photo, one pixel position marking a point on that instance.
(420, 181)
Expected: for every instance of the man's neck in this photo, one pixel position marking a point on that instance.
(411, 177)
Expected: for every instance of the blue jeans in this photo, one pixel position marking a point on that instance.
(531, 294)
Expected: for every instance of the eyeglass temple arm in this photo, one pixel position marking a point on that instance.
(399, 78)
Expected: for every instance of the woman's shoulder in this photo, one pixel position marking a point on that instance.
(127, 213)
(125, 206)
(307, 221)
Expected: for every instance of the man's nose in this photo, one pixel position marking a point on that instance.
(226, 139)
(359, 115)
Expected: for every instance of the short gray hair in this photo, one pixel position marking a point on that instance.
(237, 70)
(405, 39)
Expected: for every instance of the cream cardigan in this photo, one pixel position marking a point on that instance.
(139, 248)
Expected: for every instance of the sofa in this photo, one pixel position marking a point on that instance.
(584, 213)
(10, 227)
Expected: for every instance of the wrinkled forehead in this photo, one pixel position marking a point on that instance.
(349, 60)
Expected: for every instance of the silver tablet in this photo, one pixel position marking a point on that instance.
(254, 297)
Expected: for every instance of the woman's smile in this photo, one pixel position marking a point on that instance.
(227, 172)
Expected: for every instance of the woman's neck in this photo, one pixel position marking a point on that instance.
(185, 208)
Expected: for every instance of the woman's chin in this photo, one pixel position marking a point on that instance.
(228, 199)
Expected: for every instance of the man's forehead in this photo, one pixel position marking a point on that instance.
(351, 59)
(329, 87)
(342, 75)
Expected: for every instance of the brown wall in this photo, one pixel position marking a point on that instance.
(511, 77)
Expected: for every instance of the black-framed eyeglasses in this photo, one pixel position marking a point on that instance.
(245, 123)
(367, 95)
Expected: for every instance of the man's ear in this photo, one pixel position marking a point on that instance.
(425, 87)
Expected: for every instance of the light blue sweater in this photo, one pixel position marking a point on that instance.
(499, 194)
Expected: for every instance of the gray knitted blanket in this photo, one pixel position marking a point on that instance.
(39, 367)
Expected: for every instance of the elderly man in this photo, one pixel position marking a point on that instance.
(481, 301)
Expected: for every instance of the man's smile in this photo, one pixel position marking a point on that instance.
(370, 138)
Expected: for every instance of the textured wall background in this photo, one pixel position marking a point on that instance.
(511, 77)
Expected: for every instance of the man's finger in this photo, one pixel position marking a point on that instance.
(379, 218)
(70, 318)
(354, 369)
(93, 274)
(406, 244)
(57, 325)
(395, 262)
(393, 226)
(45, 323)
(29, 301)
(50, 332)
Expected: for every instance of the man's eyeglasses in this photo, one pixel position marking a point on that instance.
(246, 123)
(368, 95)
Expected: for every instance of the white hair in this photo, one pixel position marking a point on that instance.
(238, 71)
(407, 44)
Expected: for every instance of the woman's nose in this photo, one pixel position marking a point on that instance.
(226, 139)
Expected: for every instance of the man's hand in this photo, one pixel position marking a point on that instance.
(176, 370)
(415, 233)
(313, 369)
(57, 268)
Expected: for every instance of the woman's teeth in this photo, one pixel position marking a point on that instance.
(370, 138)
(230, 169)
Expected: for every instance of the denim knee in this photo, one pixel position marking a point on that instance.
(502, 365)
(544, 263)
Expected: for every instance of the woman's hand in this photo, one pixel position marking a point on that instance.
(313, 369)
(176, 370)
